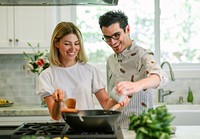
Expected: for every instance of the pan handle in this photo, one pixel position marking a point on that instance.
(66, 128)
(116, 107)
(124, 100)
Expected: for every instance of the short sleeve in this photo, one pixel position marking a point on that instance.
(152, 67)
(98, 80)
(45, 87)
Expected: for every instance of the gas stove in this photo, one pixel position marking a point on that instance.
(50, 130)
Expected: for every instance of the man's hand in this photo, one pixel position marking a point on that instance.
(127, 87)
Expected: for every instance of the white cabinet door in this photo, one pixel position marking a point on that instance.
(22, 24)
(34, 25)
(6, 27)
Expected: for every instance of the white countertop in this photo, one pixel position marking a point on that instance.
(16, 110)
(18, 114)
(182, 132)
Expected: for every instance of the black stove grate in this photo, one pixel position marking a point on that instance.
(60, 129)
(40, 129)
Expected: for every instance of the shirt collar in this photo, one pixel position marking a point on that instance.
(126, 51)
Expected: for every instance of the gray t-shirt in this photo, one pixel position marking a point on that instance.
(79, 81)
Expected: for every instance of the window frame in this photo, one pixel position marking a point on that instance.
(180, 70)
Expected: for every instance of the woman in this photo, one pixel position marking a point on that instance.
(69, 75)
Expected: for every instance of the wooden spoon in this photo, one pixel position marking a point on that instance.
(69, 106)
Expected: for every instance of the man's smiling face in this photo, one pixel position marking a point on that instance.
(116, 37)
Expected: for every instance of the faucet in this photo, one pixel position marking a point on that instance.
(170, 69)
(161, 92)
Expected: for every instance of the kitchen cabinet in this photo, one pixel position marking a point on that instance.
(22, 24)
(182, 132)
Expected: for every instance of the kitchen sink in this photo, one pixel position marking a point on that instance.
(181, 107)
(184, 107)
(185, 114)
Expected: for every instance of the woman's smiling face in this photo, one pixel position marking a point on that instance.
(69, 47)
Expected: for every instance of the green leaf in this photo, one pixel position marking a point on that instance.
(164, 136)
(140, 135)
(152, 124)
(143, 130)
(26, 56)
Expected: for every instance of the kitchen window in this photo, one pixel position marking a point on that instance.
(172, 33)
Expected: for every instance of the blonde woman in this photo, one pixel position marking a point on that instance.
(70, 76)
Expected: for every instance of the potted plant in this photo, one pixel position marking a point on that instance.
(152, 124)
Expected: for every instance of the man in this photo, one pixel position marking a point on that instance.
(131, 70)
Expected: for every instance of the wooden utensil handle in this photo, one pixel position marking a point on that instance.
(116, 107)
(64, 109)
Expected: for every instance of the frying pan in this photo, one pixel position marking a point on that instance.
(93, 119)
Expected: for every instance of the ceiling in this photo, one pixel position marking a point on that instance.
(57, 2)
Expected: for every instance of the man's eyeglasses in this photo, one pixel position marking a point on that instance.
(115, 36)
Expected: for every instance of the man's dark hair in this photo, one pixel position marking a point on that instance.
(111, 17)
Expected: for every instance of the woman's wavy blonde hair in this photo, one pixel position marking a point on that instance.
(62, 29)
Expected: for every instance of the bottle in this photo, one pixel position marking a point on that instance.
(190, 96)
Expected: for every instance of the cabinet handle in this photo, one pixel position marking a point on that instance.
(16, 40)
(10, 40)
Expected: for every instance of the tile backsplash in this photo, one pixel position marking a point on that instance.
(15, 84)
(180, 88)
(20, 87)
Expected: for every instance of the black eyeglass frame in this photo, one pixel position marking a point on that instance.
(115, 36)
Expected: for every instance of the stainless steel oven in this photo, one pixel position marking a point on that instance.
(6, 131)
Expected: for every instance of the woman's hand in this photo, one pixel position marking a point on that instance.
(53, 103)
(58, 95)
